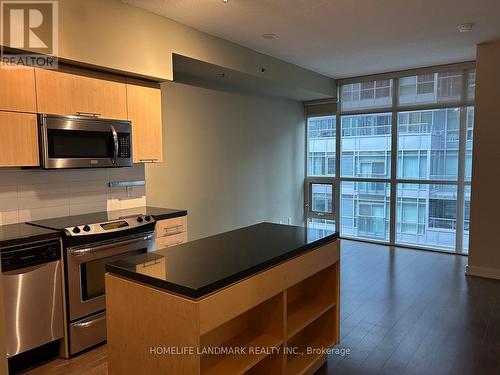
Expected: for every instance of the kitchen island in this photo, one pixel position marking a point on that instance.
(261, 299)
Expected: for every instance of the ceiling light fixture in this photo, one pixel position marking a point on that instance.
(225, 1)
(465, 27)
(269, 36)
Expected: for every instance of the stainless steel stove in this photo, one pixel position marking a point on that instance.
(90, 241)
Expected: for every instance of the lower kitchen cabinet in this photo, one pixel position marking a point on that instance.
(171, 232)
(18, 140)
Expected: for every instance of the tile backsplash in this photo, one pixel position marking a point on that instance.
(27, 195)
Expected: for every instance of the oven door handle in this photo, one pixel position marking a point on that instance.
(94, 249)
(115, 144)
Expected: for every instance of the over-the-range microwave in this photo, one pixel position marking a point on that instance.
(84, 142)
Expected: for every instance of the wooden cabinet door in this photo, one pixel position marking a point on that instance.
(67, 93)
(144, 110)
(17, 89)
(18, 140)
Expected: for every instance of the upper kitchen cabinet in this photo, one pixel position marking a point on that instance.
(144, 110)
(18, 140)
(78, 93)
(17, 89)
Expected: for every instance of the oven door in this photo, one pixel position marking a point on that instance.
(75, 142)
(86, 270)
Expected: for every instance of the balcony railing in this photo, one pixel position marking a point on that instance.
(360, 131)
(442, 223)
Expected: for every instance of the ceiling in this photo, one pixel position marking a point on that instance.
(344, 38)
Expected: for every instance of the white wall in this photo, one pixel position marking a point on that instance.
(231, 160)
(484, 253)
(38, 194)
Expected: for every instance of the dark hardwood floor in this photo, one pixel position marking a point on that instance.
(414, 312)
(402, 312)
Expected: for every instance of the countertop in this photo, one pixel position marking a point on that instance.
(197, 268)
(100, 217)
(158, 213)
(17, 234)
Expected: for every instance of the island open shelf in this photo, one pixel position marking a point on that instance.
(260, 327)
(261, 324)
(310, 298)
(320, 334)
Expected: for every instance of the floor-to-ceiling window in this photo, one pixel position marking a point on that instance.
(394, 163)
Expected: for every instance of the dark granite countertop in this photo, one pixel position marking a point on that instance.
(100, 217)
(197, 268)
(18, 234)
(158, 213)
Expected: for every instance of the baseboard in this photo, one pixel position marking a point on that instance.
(489, 273)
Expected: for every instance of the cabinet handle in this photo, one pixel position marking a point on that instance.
(175, 243)
(176, 229)
(88, 114)
(148, 160)
(146, 265)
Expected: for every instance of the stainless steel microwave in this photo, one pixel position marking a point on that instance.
(84, 142)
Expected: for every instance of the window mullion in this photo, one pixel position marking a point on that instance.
(394, 160)
(462, 139)
(337, 186)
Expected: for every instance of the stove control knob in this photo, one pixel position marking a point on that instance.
(86, 228)
(140, 219)
(147, 218)
(76, 230)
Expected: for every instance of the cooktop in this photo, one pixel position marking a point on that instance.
(107, 225)
(64, 222)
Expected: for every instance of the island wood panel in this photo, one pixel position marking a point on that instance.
(144, 110)
(18, 140)
(337, 302)
(167, 241)
(241, 296)
(141, 318)
(17, 88)
(69, 91)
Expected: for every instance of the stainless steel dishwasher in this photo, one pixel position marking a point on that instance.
(32, 289)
